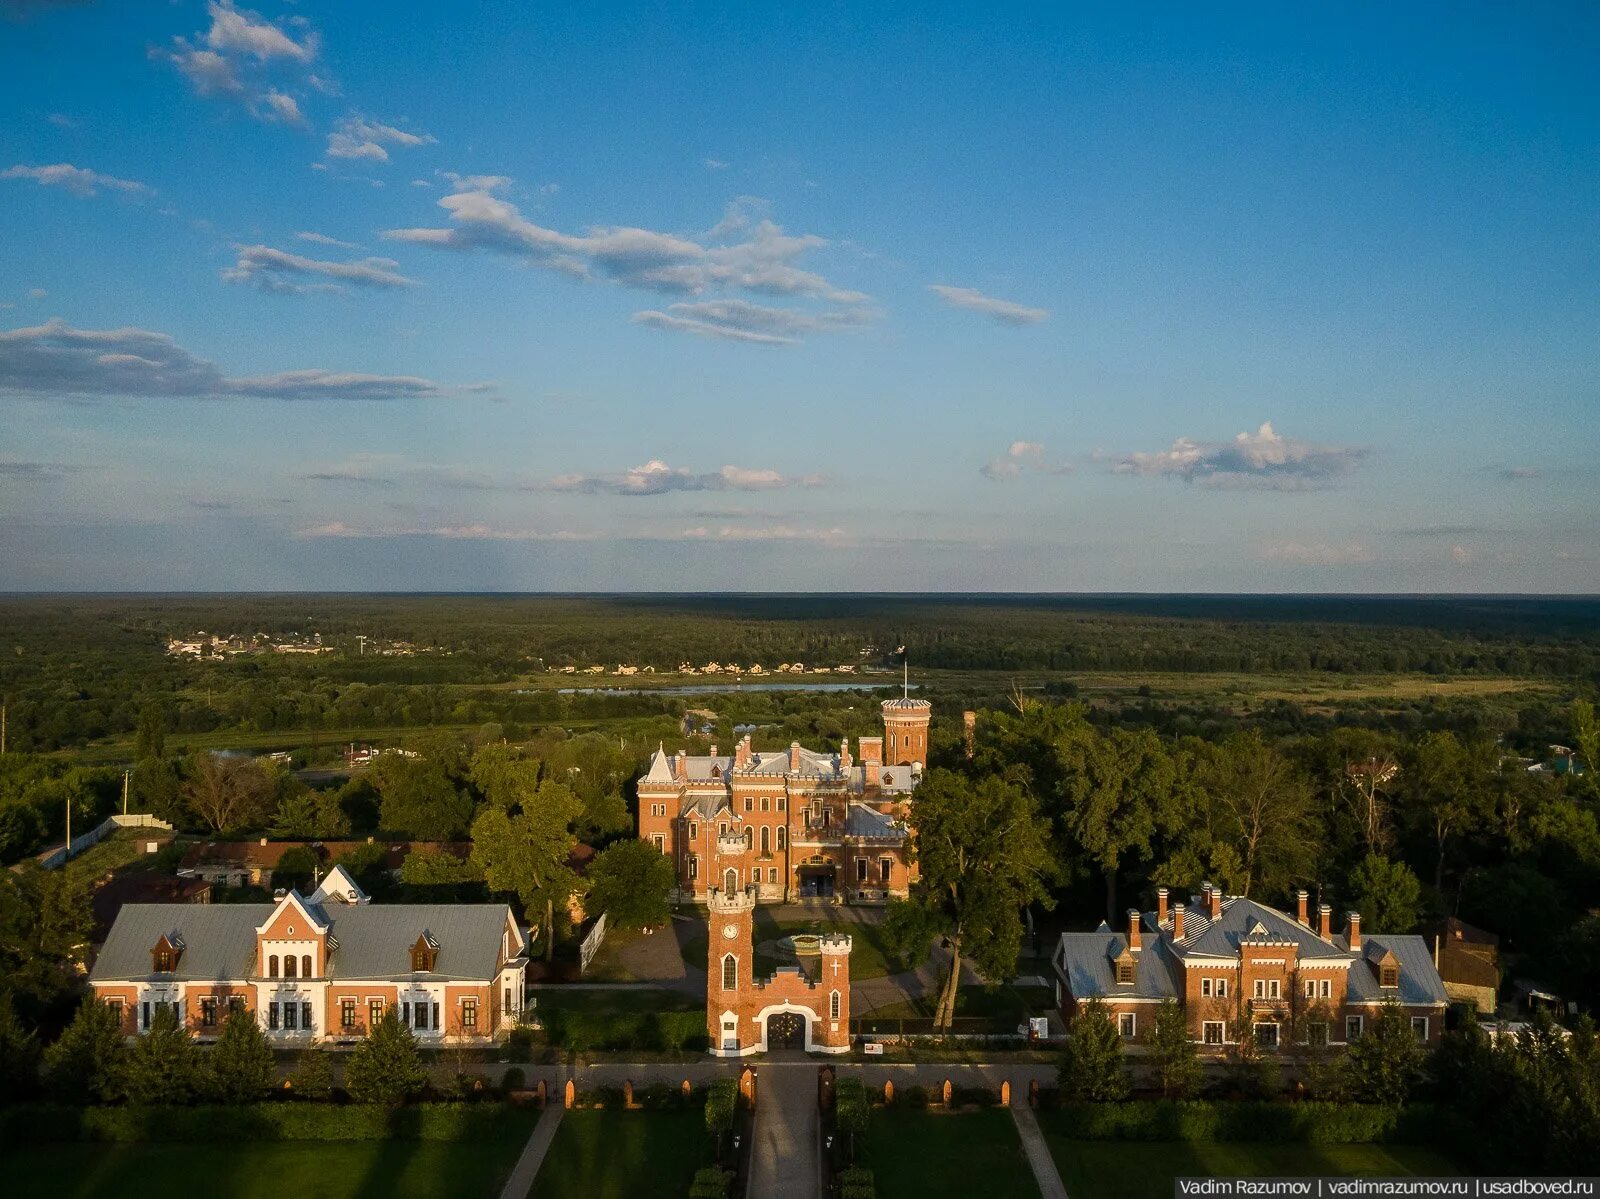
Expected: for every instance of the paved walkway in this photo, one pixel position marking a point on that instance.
(1038, 1153)
(520, 1184)
(785, 1157)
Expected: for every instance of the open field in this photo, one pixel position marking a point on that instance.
(1145, 1170)
(265, 1170)
(614, 1154)
(920, 1152)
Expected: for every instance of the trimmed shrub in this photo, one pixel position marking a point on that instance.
(261, 1122)
(1298, 1123)
(722, 1099)
(916, 1095)
(514, 1079)
(710, 1183)
(973, 1097)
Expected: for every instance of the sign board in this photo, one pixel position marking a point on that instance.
(1039, 1027)
(873, 1047)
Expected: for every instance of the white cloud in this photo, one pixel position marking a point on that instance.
(279, 271)
(1004, 311)
(657, 478)
(757, 257)
(62, 121)
(80, 181)
(466, 532)
(355, 137)
(714, 164)
(1021, 456)
(740, 320)
(766, 533)
(1262, 459)
(57, 360)
(1319, 553)
(322, 239)
(238, 58)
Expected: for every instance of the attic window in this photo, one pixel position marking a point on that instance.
(716, 772)
(1125, 973)
(164, 957)
(424, 954)
(1389, 976)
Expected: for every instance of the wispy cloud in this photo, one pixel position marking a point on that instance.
(740, 254)
(57, 360)
(464, 532)
(242, 57)
(80, 181)
(279, 271)
(355, 137)
(1004, 311)
(18, 471)
(1021, 456)
(740, 320)
(387, 470)
(1262, 460)
(1319, 553)
(657, 478)
(322, 239)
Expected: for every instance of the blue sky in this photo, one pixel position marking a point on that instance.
(806, 297)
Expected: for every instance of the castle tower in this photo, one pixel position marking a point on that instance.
(833, 1035)
(730, 958)
(905, 731)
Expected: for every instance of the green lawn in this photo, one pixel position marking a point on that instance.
(916, 1152)
(264, 1170)
(1007, 1005)
(615, 1154)
(1145, 1170)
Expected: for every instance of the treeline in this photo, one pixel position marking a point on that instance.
(74, 670)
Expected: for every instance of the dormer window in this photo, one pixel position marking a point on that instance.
(1125, 973)
(1389, 976)
(164, 957)
(424, 954)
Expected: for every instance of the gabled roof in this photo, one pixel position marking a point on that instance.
(1243, 920)
(374, 940)
(1419, 981)
(863, 821)
(1086, 960)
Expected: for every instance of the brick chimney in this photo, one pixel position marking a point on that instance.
(1177, 922)
(1353, 934)
(1325, 922)
(1133, 930)
(1302, 898)
(680, 766)
(794, 755)
(1215, 903)
(741, 752)
(845, 761)
(1161, 905)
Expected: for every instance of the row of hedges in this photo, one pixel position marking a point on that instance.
(583, 1032)
(262, 1122)
(1299, 1123)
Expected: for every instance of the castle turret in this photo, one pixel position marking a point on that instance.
(905, 731)
(729, 960)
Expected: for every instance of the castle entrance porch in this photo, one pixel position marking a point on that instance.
(816, 881)
(786, 1030)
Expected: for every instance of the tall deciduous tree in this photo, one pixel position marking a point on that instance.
(1447, 788)
(161, 1066)
(983, 855)
(527, 853)
(631, 882)
(228, 792)
(1172, 1052)
(1259, 808)
(1386, 894)
(1385, 1063)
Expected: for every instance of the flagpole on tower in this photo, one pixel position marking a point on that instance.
(905, 672)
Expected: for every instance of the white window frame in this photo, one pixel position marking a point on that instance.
(1361, 1027)
(1205, 988)
(660, 843)
(833, 1005)
(1222, 988)
(1423, 1031)
(1260, 988)
(730, 970)
(1277, 1034)
(1127, 1025)
(1222, 1032)
(1274, 989)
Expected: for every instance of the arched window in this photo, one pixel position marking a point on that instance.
(272, 966)
(730, 972)
(833, 1005)
(288, 965)
(766, 839)
(305, 966)
(782, 837)
(730, 880)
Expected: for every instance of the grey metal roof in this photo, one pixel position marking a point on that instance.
(1419, 981)
(1085, 962)
(375, 940)
(862, 821)
(1240, 918)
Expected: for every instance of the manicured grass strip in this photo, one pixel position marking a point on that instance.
(615, 1154)
(914, 1153)
(263, 1170)
(1145, 1169)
